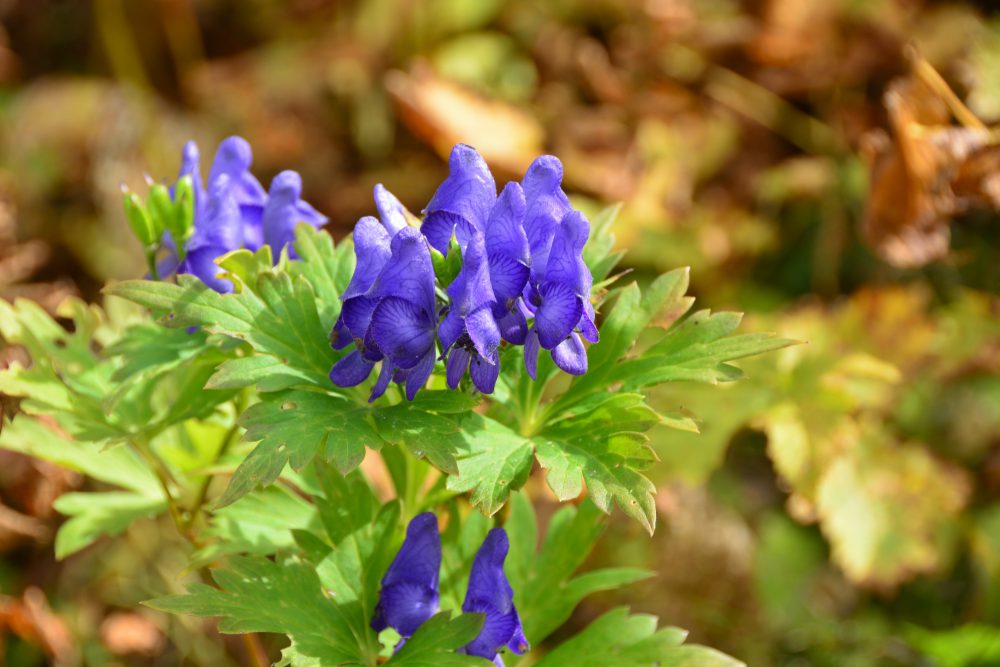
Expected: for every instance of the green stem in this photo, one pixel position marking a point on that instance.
(199, 501)
(165, 478)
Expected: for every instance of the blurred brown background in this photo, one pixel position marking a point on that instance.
(826, 166)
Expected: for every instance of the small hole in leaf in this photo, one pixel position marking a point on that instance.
(288, 405)
(60, 343)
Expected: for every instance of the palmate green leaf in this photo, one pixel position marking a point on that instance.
(324, 607)
(609, 464)
(542, 572)
(256, 594)
(260, 522)
(698, 350)
(623, 640)
(119, 466)
(95, 514)
(92, 514)
(497, 462)
(280, 319)
(435, 642)
(295, 426)
(328, 268)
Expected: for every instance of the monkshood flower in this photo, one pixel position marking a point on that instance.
(490, 594)
(234, 211)
(520, 257)
(409, 594)
(389, 311)
(558, 291)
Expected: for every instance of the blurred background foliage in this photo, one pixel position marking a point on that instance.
(812, 163)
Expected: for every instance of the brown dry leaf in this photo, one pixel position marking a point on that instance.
(924, 176)
(444, 113)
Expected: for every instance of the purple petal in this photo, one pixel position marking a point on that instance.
(469, 190)
(189, 167)
(351, 370)
(340, 335)
(484, 372)
(531, 353)
(565, 264)
(384, 376)
(518, 642)
(306, 212)
(498, 628)
(220, 225)
(409, 273)
(483, 331)
(404, 607)
(372, 250)
(200, 262)
(253, 226)
(455, 367)
(513, 326)
(490, 593)
(471, 289)
(586, 325)
(557, 315)
(507, 277)
(451, 327)
(571, 356)
(390, 210)
(403, 331)
(419, 559)
(356, 315)
(487, 581)
(233, 158)
(505, 230)
(280, 216)
(417, 376)
(439, 226)
(409, 588)
(546, 205)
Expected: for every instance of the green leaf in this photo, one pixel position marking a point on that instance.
(119, 466)
(498, 461)
(295, 426)
(327, 268)
(609, 465)
(696, 350)
(325, 608)
(546, 592)
(435, 642)
(258, 523)
(95, 514)
(279, 320)
(256, 594)
(624, 640)
(264, 371)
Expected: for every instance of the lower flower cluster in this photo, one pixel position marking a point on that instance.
(409, 594)
(522, 281)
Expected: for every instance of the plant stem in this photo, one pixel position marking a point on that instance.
(165, 478)
(199, 501)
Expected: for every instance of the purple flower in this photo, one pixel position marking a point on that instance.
(389, 311)
(284, 210)
(409, 594)
(490, 594)
(558, 291)
(235, 212)
(469, 333)
(462, 203)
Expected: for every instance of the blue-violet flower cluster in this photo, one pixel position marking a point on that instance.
(233, 210)
(409, 594)
(522, 281)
